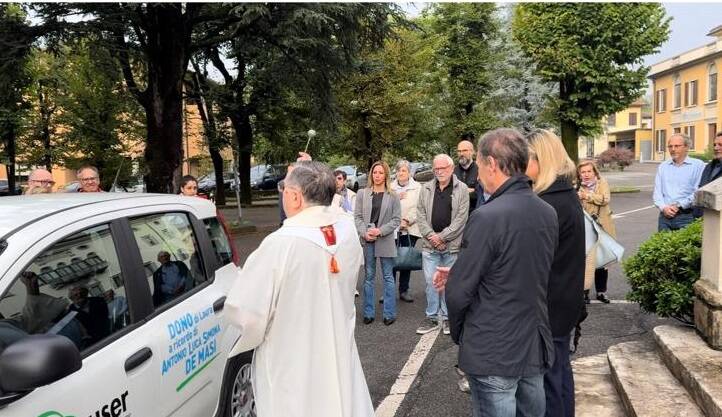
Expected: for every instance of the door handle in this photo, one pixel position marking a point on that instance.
(218, 304)
(138, 358)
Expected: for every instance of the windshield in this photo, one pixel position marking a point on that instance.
(258, 171)
(348, 169)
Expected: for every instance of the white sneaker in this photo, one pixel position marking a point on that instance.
(464, 385)
(445, 327)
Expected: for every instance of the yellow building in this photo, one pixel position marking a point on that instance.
(630, 128)
(685, 96)
(194, 149)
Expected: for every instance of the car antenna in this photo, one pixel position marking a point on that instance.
(115, 181)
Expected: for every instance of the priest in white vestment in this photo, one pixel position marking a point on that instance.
(294, 303)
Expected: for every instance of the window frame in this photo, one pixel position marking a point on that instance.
(676, 93)
(661, 105)
(712, 71)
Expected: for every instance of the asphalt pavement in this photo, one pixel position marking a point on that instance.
(385, 350)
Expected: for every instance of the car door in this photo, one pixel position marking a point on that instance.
(187, 316)
(76, 282)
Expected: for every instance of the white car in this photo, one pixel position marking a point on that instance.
(111, 304)
(355, 178)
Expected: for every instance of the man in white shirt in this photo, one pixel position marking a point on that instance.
(294, 304)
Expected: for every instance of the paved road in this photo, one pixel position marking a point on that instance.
(385, 350)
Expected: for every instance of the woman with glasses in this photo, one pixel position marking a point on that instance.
(377, 216)
(593, 192)
(552, 172)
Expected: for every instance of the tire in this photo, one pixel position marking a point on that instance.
(237, 391)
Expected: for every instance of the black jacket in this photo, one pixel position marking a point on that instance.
(706, 178)
(158, 297)
(497, 289)
(471, 178)
(566, 282)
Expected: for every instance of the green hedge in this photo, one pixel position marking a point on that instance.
(662, 272)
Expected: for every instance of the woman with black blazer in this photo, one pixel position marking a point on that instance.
(552, 172)
(377, 216)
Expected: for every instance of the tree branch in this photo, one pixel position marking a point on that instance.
(124, 60)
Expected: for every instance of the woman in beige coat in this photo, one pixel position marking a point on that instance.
(594, 194)
(408, 191)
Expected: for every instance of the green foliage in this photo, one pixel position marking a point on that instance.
(595, 52)
(663, 270)
(705, 156)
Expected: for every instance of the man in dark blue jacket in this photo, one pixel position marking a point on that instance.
(713, 170)
(497, 290)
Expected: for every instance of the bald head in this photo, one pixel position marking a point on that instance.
(40, 181)
(465, 153)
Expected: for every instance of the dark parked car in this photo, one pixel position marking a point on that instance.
(207, 183)
(5, 188)
(266, 177)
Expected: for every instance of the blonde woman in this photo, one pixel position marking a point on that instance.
(552, 173)
(593, 192)
(408, 191)
(377, 216)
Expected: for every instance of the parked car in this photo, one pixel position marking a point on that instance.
(5, 188)
(266, 177)
(207, 183)
(87, 325)
(355, 178)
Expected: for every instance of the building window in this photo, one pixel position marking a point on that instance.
(690, 93)
(677, 93)
(632, 119)
(661, 100)
(712, 83)
(711, 132)
(612, 120)
(689, 131)
(661, 140)
(677, 130)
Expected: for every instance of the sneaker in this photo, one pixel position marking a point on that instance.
(603, 298)
(404, 296)
(464, 385)
(428, 325)
(356, 294)
(445, 327)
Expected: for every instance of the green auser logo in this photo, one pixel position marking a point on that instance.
(53, 413)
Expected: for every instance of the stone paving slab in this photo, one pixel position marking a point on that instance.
(694, 363)
(594, 392)
(647, 388)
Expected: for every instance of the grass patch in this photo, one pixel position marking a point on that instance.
(624, 189)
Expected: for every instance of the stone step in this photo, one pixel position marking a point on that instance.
(694, 363)
(595, 395)
(647, 388)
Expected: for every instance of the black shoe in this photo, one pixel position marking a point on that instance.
(381, 300)
(586, 296)
(404, 296)
(368, 320)
(603, 298)
(389, 322)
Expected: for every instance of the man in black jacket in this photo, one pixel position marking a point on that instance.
(497, 290)
(713, 170)
(467, 170)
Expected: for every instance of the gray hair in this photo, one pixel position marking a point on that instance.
(685, 138)
(84, 167)
(508, 147)
(403, 163)
(315, 180)
(444, 157)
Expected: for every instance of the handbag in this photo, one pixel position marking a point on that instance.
(608, 250)
(408, 258)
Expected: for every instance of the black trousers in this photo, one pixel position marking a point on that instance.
(405, 276)
(559, 381)
(601, 275)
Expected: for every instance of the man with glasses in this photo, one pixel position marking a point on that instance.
(89, 179)
(467, 170)
(442, 211)
(674, 186)
(40, 182)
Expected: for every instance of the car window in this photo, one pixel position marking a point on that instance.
(74, 288)
(170, 255)
(219, 240)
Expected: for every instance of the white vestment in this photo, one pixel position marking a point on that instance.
(300, 318)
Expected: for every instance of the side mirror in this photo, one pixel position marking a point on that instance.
(37, 360)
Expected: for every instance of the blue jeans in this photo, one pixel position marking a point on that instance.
(387, 273)
(435, 303)
(675, 223)
(559, 381)
(502, 396)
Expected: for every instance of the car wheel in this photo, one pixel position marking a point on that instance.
(238, 390)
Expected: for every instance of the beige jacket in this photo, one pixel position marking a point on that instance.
(597, 204)
(408, 204)
(459, 214)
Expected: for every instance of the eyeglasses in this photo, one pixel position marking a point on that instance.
(44, 182)
(89, 179)
(340, 178)
(440, 169)
(675, 146)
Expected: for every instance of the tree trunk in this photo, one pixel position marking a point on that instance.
(570, 137)
(244, 140)
(217, 160)
(368, 142)
(10, 167)
(163, 148)
(46, 112)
